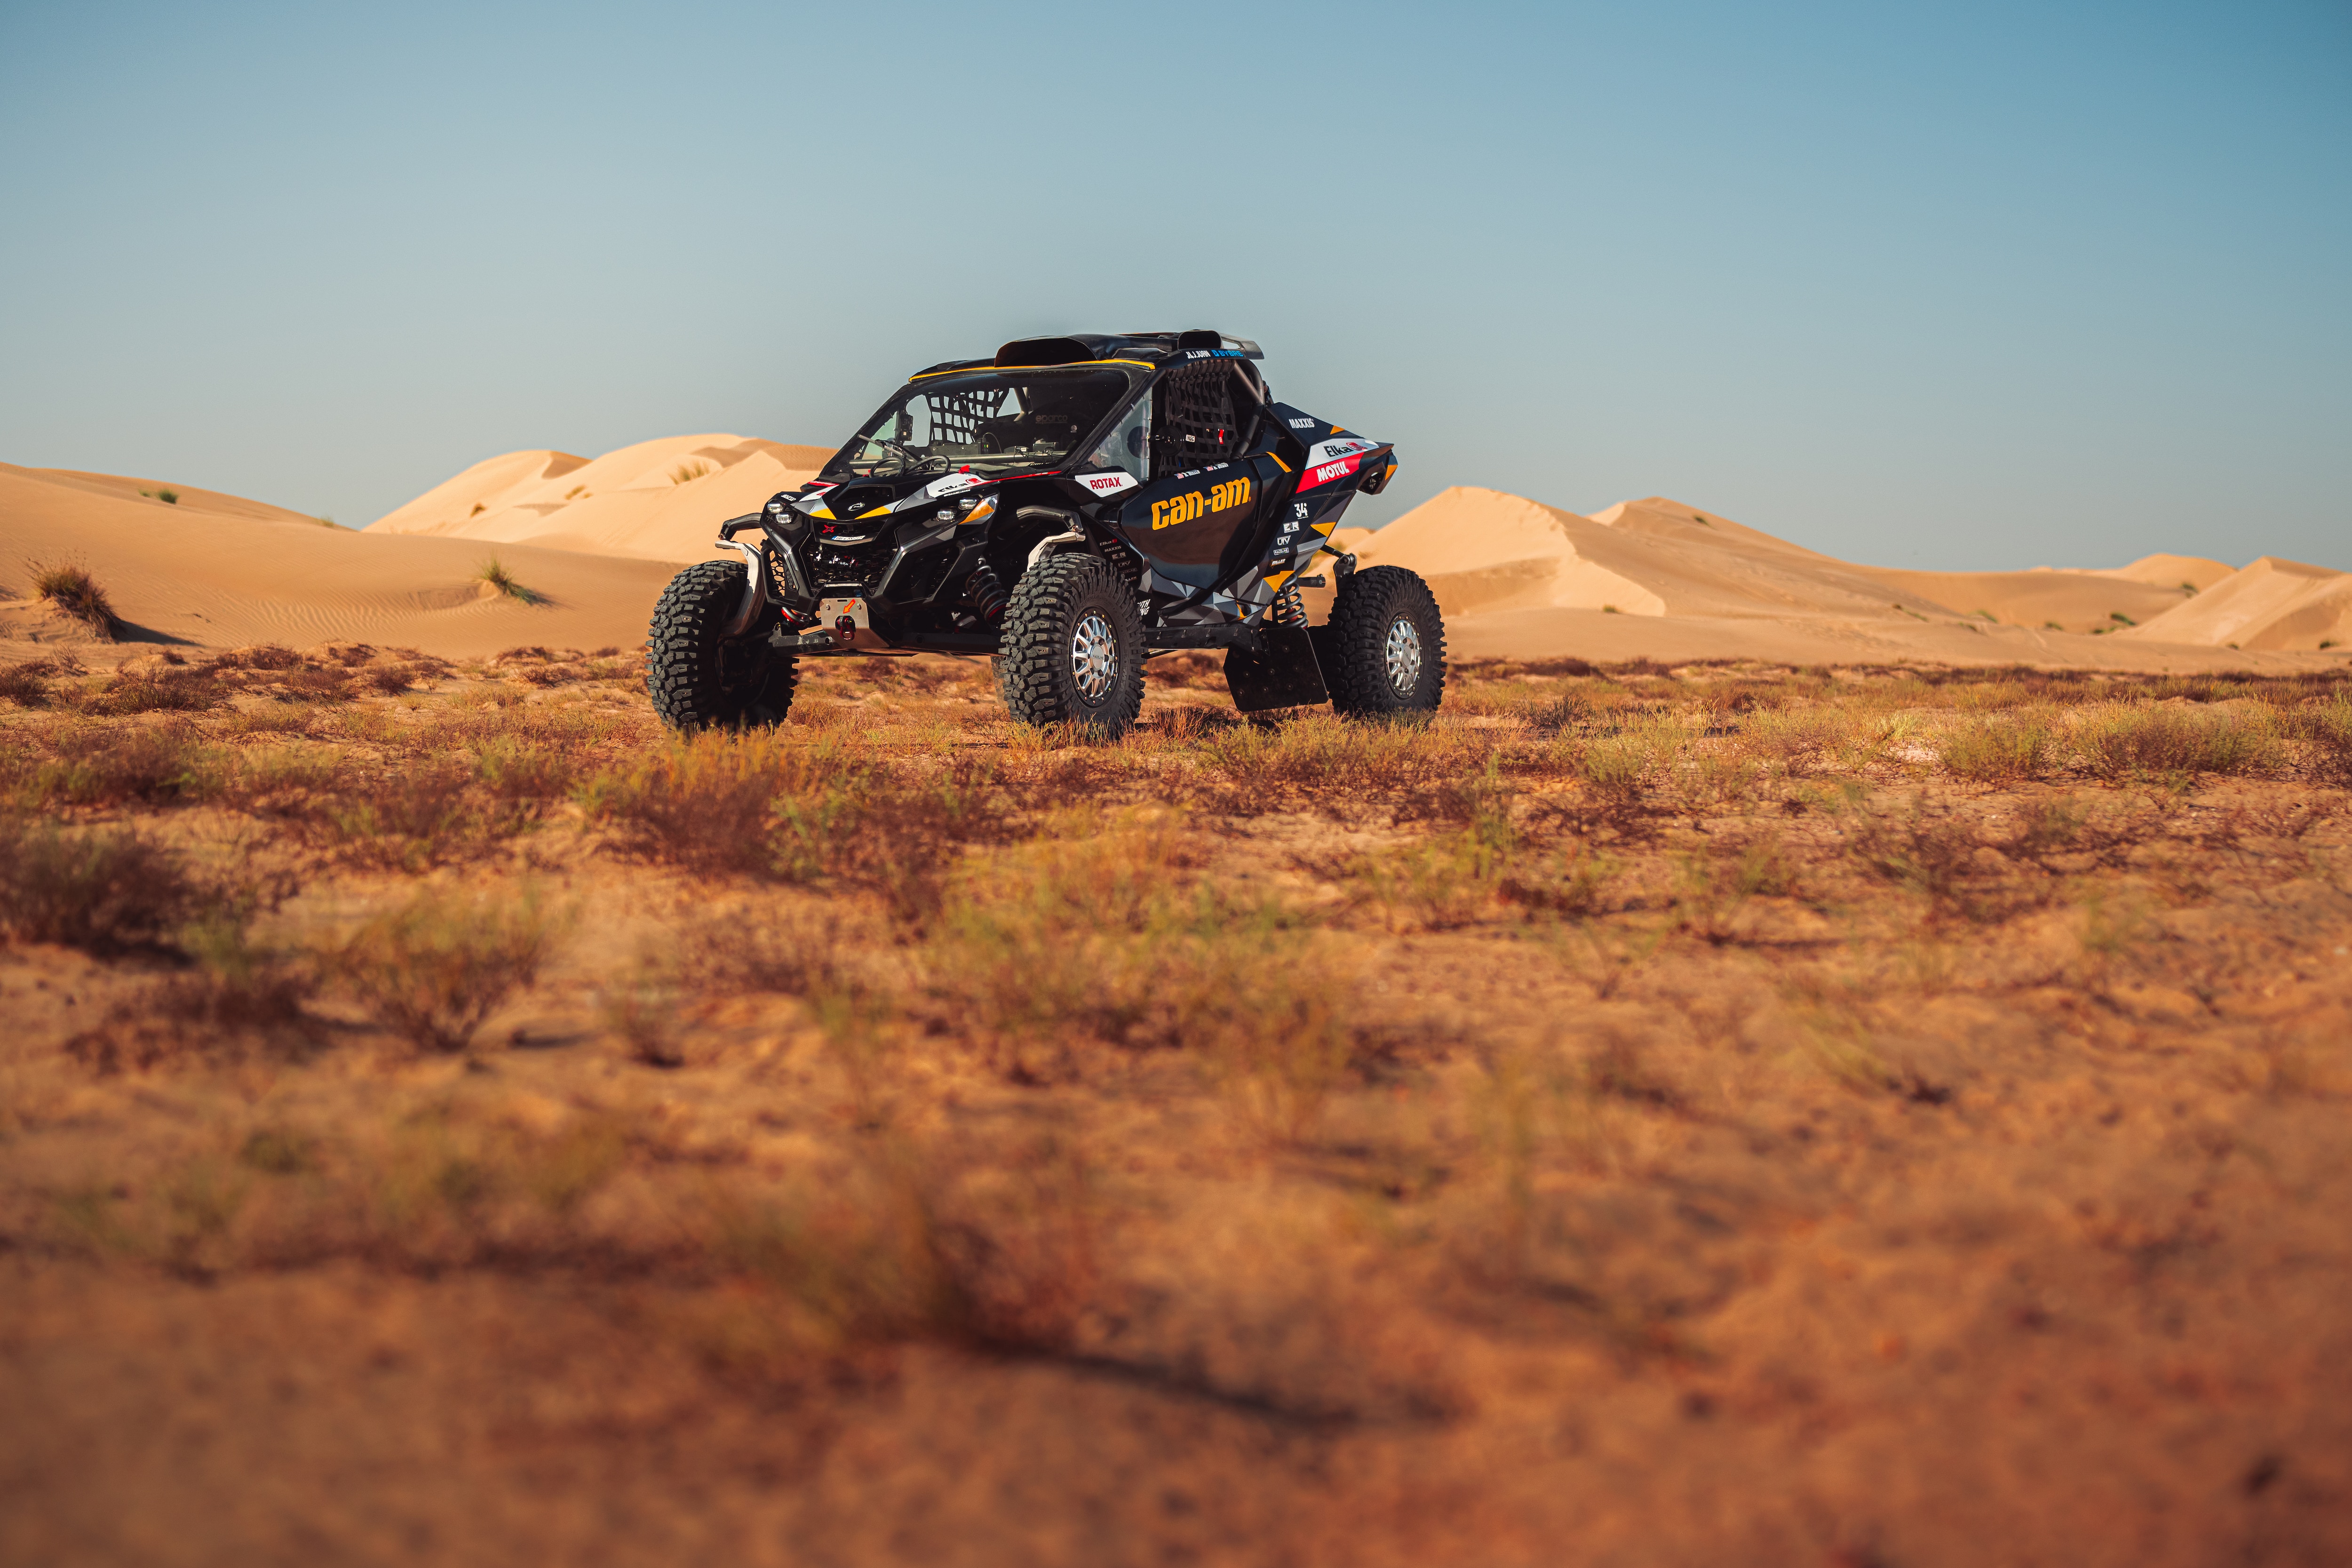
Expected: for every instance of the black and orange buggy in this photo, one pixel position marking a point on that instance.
(1073, 506)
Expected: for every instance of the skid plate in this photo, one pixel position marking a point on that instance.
(1285, 675)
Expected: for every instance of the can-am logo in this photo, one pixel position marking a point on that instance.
(1108, 484)
(1199, 503)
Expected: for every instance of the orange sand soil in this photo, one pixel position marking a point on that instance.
(1723, 1114)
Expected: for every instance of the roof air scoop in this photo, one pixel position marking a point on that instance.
(1204, 339)
(1025, 352)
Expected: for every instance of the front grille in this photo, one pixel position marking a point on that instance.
(857, 566)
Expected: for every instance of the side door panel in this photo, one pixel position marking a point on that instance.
(1184, 524)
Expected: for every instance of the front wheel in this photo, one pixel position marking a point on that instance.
(1072, 648)
(700, 680)
(1386, 644)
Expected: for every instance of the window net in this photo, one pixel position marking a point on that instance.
(956, 416)
(1198, 423)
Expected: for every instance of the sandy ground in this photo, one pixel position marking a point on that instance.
(1493, 559)
(656, 498)
(1827, 1143)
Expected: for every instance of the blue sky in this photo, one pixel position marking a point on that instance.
(1940, 286)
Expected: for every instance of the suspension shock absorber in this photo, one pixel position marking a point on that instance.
(1288, 608)
(988, 595)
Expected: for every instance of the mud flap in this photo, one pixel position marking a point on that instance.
(1287, 675)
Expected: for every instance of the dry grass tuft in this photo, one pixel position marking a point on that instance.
(28, 684)
(1925, 853)
(701, 803)
(423, 814)
(242, 1003)
(2177, 744)
(1451, 879)
(93, 764)
(1996, 752)
(102, 890)
(1713, 886)
(495, 573)
(2327, 729)
(643, 1004)
(165, 691)
(435, 968)
(73, 590)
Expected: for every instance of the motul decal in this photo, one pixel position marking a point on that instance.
(1325, 474)
(1109, 484)
(1182, 509)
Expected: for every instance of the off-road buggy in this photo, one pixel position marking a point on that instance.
(1073, 506)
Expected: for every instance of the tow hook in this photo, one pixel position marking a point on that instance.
(845, 631)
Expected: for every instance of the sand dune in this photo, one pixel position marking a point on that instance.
(190, 499)
(2052, 600)
(2191, 572)
(1651, 578)
(2270, 605)
(1485, 552)
(227, 571)
(1658, 579)
(656, 500)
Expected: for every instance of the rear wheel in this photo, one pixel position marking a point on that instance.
(1386, 644)
(700, 680)
(1072, 648)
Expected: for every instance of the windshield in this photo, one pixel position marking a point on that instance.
(988, 421)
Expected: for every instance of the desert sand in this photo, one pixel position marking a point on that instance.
(1727, 1113)
(1730, 1115)
(2271, 604)
(221, 572)
(597, 538)
(656, 499)
(1660, 579)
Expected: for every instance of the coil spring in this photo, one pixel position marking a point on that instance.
(1289, 609)
(988, 595)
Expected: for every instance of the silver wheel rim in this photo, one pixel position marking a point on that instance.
(1403, 655)
(1094, 656)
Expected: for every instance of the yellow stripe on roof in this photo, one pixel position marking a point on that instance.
(990, 368)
